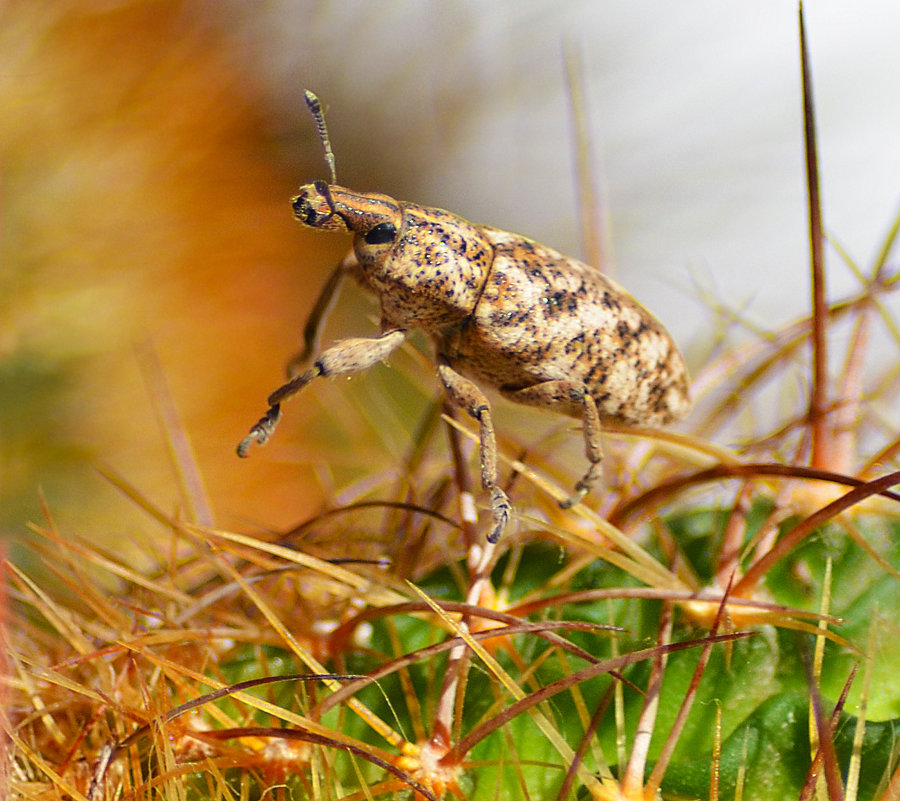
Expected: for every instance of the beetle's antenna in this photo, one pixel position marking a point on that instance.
(325, 191)
(319, 116)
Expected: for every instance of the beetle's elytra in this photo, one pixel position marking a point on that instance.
(502, 311)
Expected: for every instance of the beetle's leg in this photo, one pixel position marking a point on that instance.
(549, 394)
(346, 357)
(465, 394)
(593, 450)
(319, 312)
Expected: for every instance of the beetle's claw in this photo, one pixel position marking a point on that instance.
(501, 509)
(261, 432)
(576, 498)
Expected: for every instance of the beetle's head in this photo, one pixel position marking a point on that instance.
(375, 218)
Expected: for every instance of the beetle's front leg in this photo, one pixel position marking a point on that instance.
(348, 266)
(465, 394)
(345, 358)
(568, 393)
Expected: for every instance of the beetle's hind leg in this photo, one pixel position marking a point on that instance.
(466, 395)
(573, 398)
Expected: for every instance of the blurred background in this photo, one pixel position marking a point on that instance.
(149, 149)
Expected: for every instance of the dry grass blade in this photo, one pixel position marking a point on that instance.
(180, 451)
(457, 752)
(544, 629)
(589, 732)
(115, 749)
(659, 769)
(648, 500)
(596, 239)
(632, 780)
(819, 399)
(606, 666)
(796, 535)
(359, 750)
(825, 755)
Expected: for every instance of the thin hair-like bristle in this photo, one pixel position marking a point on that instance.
(319, 116)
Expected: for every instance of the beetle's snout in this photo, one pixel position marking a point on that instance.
(315, 207)
(304, 210)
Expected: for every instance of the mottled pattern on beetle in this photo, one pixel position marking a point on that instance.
(434, 274)
(544, 317)
(507, 311)
(429, 277)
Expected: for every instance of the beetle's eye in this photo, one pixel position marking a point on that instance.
(381, 234)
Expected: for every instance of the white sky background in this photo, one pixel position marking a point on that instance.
(695, 113)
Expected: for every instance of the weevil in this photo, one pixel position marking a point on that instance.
(501, 310)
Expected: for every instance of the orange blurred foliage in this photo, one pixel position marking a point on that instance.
(143, 201)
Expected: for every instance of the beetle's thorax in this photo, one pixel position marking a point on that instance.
(435, 272)
(428, 266)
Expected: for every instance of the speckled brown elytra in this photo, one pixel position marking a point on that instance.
(502, 311)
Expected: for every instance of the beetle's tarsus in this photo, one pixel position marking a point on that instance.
(501, 510)
(261, 432)
(576, 498)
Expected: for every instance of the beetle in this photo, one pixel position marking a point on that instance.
(501, 310)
